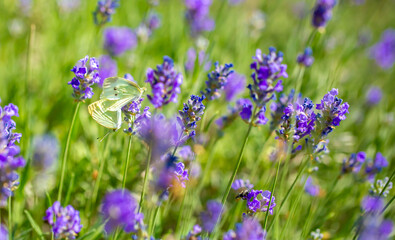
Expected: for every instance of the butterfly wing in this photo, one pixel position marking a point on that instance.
(109, 119)
(116, 88)
(118, 104)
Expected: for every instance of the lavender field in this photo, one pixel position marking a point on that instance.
(197, 119)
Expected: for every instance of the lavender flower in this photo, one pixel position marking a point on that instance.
(372, 204)
(85, 77)
(322, 12)
(374, 227)
(353, 163)
(65, 222)
(316, 235)
(240, 183)
(197, 16)
(117, 40)
(267, 70)
(310, 188)
(378, 187)
(186, 153)
(119, 209)
(375, 166)
(373, 96)
(304, 121)
(165, 83)
(104, 10)
(384, 51)
(236, 84)
(3, 232)
(332, 112)
(202, 58)
(217, 80)
(188, 117)
(306, 59)
(210, 217)
(245, 108)
(10, 160)
(133, 116)
(193, 235)
(46, 151)
(249, 229)
(277, 108)
(108, 68)
(146, 28)
(258, 201)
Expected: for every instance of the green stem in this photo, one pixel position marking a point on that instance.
(125, 169)
(152, 225)
(10, 219)
(145, 180)
(301, 170)
(272, 192)
(299, 80)
(388, 204)
(181, 211)
(66, 151)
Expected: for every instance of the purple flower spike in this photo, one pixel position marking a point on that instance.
(117, 40)
(65, 222)
(375, 166)
(258, 201)
(245, 108)
(3, 232)
(85, 76)
(384, 51)
(147, 27)
(217, 80)
(277, 108)
(189, 116)
(165, 83)
(333, 111)
(374, 227)
(210, 217)
(104, 10)
(119, 209)
(306, 59)
(267, 70)
(108, 68)
(134, 116)
(10, 161)
(197, 16)
(240, 183)
(322, 12)
(374, 96)
(249, 229)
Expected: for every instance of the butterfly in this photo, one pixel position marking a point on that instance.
(117, 92)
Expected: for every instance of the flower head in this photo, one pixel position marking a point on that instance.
(146, 27)
(202, 58)
(85, 77)
(217, 80)
(306, 59)
(236, 84)
(10, 160)
(277, 108)
(104, 10)
(197, 16)
(316, 235)
(188, 117)
(267, 70)
(65, 222)
(245, 108)
(134, 116)
(384, 51)
(3, 232)
(249, 229)
(377, 187)
(310, 188)
(193, 234)
(119, 209)
(322, 12)
(241, 183)
(353, 163)
(258, 201)
(117, 40)
(165, 83)
(375, 166)
(108, 68)
(210, 217)
(332, 112)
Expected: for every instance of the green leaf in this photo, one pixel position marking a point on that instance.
(35, 226)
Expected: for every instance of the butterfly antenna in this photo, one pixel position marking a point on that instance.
(105, 135)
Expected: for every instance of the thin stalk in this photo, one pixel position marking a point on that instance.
(101, 170)
(299, 80)
(236, 168)
(388, 204)
(125, 170)
(66, 151)
(301, 170)
(152, 225)
(272, 193)
(9, 219)
(145, 180)
(181, 211)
